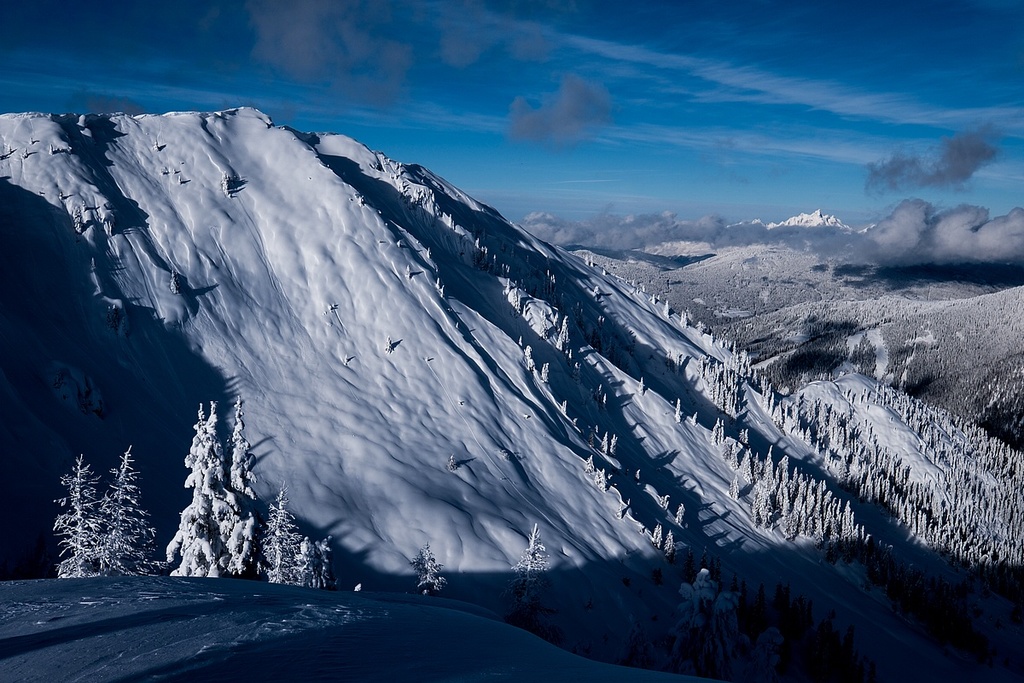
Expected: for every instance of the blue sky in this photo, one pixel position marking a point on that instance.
(742, 109)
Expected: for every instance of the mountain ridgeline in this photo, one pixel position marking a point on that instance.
(417, 370)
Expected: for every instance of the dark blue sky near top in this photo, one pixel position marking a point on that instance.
(743, 109)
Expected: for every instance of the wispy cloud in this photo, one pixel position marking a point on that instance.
(951, 165)
(469, 28)
(564, 117)
(747, 84)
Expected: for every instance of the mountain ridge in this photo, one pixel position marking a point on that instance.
(378, 322)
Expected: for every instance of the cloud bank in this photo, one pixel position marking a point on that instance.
(914, 233)
(950, 166)
(563, 118)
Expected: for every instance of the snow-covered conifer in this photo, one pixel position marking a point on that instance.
(527, 586)
(680, 512)
(199, 541)
(707, 633)
(126, 542)
(670, 548)
(638, 652)
(562, 340)
(528, 359)
(544, 373)
(282, 543)
(241, 529)
(734, 487)
(679, 411)
(80, 525)
(718, 433)
(657, 537)
(428, 572)
(314, 568)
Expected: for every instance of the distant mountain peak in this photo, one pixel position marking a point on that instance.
(816, 219)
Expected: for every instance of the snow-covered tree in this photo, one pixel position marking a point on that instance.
(315, 568)
(428, 572)
(670, 548)
(199, 541)
(562, 340)
(282, 544)
(639, 652)
(707, 633)
(657, 537)
(734, 487)
(765, 657)
(527, 586)
(126, 542)
(241, 529)
(80, 525)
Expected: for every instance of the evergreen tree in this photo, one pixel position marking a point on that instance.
(638, 651)
(241, 529)
(670, 548)
(428, 572)
(282, 545)
(315, 566)
(657, 537)
(562, 340)
(199, 541)
(80, 525)
(707, 634)
(527, 586)
(127, 539)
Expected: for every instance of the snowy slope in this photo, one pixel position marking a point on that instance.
(206, 629)
(375, 320)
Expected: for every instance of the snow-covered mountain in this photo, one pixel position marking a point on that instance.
(816, 219)
(380, 324)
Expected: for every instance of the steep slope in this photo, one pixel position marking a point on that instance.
(378, 323)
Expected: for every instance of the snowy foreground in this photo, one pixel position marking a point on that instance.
(205, 629)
